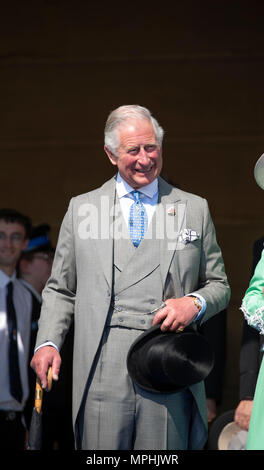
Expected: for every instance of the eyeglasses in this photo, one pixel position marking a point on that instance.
(14, 237)
(45, 256)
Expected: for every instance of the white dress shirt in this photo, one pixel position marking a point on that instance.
(23, 307)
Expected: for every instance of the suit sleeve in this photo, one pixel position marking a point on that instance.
(213, 284)
(59, 293)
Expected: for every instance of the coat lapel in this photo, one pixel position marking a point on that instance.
(104, 239)
(171, 217)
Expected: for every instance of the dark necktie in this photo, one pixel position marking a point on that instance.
(14, 374)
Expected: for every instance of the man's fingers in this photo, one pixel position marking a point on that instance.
(160, 315)
(41, 369)
(171, 325)
(56, 367)
(169, 322)
(176, 315)
(44, 358)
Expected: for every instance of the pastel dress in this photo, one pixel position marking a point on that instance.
(253, 309)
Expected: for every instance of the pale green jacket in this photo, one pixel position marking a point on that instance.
(253, 301)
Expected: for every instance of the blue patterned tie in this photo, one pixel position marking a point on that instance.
(138, 219)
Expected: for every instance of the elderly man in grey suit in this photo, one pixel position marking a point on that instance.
(133, 253)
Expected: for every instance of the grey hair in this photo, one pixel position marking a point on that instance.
(122, 114)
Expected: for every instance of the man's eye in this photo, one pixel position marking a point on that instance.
(150, 148)
(134, 151)
(16, 237)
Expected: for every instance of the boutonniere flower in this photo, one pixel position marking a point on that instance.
(171, 211)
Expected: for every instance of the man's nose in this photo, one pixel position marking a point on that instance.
(143, 157)
(8, 242)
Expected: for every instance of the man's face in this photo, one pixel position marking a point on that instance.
(139, 157)
(12, 242)
(39, 268)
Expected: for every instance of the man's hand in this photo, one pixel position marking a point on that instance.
(45, 357)
(243, 414)
(177, 314)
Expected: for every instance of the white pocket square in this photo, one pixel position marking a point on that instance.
(188, 235)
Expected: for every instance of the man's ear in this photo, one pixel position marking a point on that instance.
(111, 156)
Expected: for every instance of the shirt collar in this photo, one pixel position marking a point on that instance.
(31, 288)
(4, 279)
(123, 188)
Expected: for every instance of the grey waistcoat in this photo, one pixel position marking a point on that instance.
(137, 287)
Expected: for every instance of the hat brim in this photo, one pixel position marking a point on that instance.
(47, 248)
(166, 362)
(216, 429)
(259, 172)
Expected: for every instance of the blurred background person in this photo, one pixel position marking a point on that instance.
(34, 270)
(215, 332)
(15, 312)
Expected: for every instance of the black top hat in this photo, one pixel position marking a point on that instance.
(39, 240)
(166, 362)
(225, 434)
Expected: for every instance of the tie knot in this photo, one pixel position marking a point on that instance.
(136, 195)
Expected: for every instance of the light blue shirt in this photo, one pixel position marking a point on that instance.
(148, 196)
(23, 306)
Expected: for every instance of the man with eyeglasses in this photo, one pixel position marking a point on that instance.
(34, 269)
(36, 260)
(15, 313)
